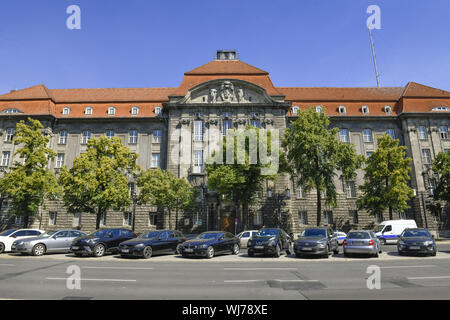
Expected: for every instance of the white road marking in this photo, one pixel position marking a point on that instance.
(236, 281)
(243, 281)
(7, 265)
(256, 269)
(106, 280)
(425, 278)
(121, 268)
(401, 267)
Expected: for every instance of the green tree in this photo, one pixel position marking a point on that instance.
(163, 189)
(313, 154)
(386, 179)
(441, 166)
(30, 183)
(241, 180)
(98, 180)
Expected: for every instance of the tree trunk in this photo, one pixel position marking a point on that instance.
(238, 217)
(97, 220)
(176, 219)
(390, 213)
(319, 206)
(170, 221)
(245, 215)
(25, 221)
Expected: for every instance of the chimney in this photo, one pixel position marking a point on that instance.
(227, 55)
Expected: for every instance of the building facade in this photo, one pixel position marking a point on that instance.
(177, 128)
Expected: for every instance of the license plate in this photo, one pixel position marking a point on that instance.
(259, 247)
(306, 249)
(414, 248)
(125, 250)
(358, 242)
(189, 250)
(75, 247)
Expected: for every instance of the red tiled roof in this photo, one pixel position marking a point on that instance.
(414, 89)
(341, 94)
(36, 92)
(226, 67)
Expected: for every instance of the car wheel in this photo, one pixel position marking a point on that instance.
(147, 252)
(336, 251)
(434, 254)
(383, 241)
(289, 249)
(177, 250)
(99, 250)
(210, 252)
(376, 254)
(277, 252)
(2, 247)
(327, 254)
(38, 249)
(250, 253)
(236, 249)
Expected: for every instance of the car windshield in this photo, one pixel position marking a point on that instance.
(415, 233)
(208, 235)
(150, 235)
(48, 234)
(358, 235)
(7, 232)
(267, 232)
(378, 228)
(314, 233)
(100, 233)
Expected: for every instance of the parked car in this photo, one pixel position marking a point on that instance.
(316, 241)
(361, 242)
(415, 241)
(51, 241)
(8, 237)
(270, 241)
(100, 242)
(161, 241)
(208, 244)
(244, 236)
(389, 231)
(340, 237)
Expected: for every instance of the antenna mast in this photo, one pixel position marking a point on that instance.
(374, 59)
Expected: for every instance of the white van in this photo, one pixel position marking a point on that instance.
(389, 231)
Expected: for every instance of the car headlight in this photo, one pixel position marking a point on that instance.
(140, 245)
(402, 243)
(322, 244)
(204, 246)
(272, 242)
(428, 243)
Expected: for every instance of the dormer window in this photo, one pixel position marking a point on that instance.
(134, 110)
(295, 109)
(88, 111)
(388, 109)
(365, 109)
(319, 109)
(12, 111)
(342, 110)
(158, 111)
(66, 111)
(111, 111)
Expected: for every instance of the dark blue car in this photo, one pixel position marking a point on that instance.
(416, 241)
(208, 244)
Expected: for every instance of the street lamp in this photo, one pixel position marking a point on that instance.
(132, 186)
(424, 174)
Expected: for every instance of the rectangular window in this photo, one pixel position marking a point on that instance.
(152, 219)
(157, 136)
(226, 124)
(156, 158)
(367, 136)
(258, 218)
(52, 218)
(328, 217)
(198, 161)
(86, 135)
(353, 215)
(127, 219)
(103, 219)
(443, 130)
(76, 220)
(422, 133)
(343, 134)
(426, 156)
(351, 190)
(197, 219)
(5, 158)
(60, 160)
(63, 137)
(133, 136)
(198, 130)
(111, 111)
(109, 134)
(303, 217)
(299, 192)
(9, 134)
(391, 132)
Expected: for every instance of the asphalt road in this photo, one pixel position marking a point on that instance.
(226, 277)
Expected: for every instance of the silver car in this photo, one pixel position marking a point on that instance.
(361, 242)
(51, 241)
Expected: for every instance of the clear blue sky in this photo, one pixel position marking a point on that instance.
(151, 43)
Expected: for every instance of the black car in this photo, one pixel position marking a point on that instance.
(100, 242)
(316, 241)
(161, 241)
(416, 241)
(270, 241)
(210, 243)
